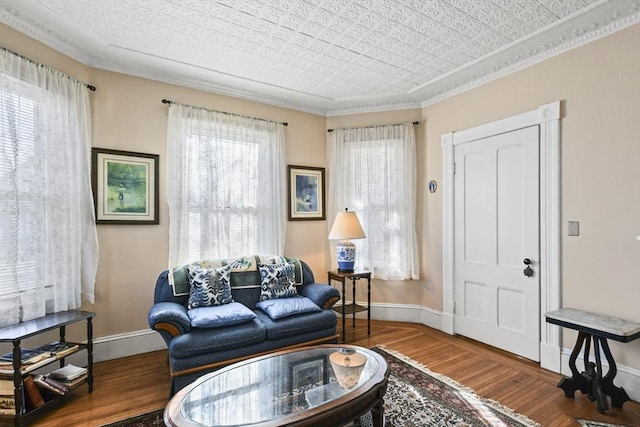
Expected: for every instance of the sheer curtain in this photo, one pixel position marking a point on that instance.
(372, 171)
(48, 241)
(226, 185)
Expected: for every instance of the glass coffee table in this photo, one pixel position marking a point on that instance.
(327, 385)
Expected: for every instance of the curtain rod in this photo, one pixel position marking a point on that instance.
(166, 101)
(369, 127)
(51, 70)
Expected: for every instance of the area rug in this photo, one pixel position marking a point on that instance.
(416, 397)
(591, 423)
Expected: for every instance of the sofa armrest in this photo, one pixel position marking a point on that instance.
(169, 318)
(324, 296)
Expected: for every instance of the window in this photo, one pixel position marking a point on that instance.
(225, 188)
(373, 173)
(48, 243)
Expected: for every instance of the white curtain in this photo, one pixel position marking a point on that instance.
(372, 171)
(48, 241)
(226, 185)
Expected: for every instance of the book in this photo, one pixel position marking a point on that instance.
(26, 357)
(6, 388)
(48, 384)
(59, 349)
(8, 370)
(68, 373)
(75, 381)
(34, 398)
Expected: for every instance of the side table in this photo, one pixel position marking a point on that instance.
(598, 328)
(352, 308)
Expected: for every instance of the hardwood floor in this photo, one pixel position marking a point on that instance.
(133, 385)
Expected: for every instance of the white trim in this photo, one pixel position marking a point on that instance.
(547, 117)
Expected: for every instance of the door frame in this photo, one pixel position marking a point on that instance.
(547, 117)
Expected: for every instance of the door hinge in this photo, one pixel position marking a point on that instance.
(454, 167)
(454, 308)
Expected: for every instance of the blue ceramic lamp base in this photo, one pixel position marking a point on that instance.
(346, 256)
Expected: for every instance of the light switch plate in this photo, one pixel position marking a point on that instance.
(574, 228)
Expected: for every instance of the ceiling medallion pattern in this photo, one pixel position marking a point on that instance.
(328, 57)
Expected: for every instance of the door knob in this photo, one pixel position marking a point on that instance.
(527, 271)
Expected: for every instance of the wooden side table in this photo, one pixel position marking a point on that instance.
(352, 308)
(598, 328)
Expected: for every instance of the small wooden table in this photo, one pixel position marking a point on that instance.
(600, 328)
(352, 308)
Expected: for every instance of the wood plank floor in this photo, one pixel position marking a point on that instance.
(133, 385)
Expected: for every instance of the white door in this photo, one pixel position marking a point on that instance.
(496, 228)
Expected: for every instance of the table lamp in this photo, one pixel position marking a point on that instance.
(347, 364)
(346, 226)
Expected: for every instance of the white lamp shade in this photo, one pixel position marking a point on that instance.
(346, 226)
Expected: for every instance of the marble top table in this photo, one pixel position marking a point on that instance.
(599, 328)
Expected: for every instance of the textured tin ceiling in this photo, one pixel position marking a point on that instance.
(327, 56)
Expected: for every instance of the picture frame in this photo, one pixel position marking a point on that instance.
(306, 374)
(306, 192)
(125, 186)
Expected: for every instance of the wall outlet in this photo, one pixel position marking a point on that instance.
(574, 228)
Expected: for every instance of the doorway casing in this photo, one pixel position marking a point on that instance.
(547, 117)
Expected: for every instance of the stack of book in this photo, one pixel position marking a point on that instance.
(69, 376)
(62, 380)
(30, 359)
(58, 349)
(39, 356)
(7, 399)
(51, 385)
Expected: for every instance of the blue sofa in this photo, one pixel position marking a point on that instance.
(196, 350)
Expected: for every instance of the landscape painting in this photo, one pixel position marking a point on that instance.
(306, 193)
(125, 187)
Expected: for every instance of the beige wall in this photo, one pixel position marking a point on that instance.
(598, 85)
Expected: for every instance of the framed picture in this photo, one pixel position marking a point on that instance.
(306, 193)
(125, 186)
(309, 373)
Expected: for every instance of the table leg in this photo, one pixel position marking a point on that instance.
(353, 280)
(369, 305)
(597, 392)
(577, 381)
(618, 394)
(344, 313)
(378, 414)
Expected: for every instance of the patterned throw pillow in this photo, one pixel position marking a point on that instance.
(209, 286)
(277, 281)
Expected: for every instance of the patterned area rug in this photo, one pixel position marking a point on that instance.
(416, 397)
(591, 423)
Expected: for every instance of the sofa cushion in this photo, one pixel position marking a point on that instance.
(207, 340)
(285, 307)
(221, 315)
(296, 325)
(209, 286)
(277, 281)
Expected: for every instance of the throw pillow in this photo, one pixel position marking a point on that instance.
(277, 281)
(209, 286)
(233, 313)
(285, 307)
